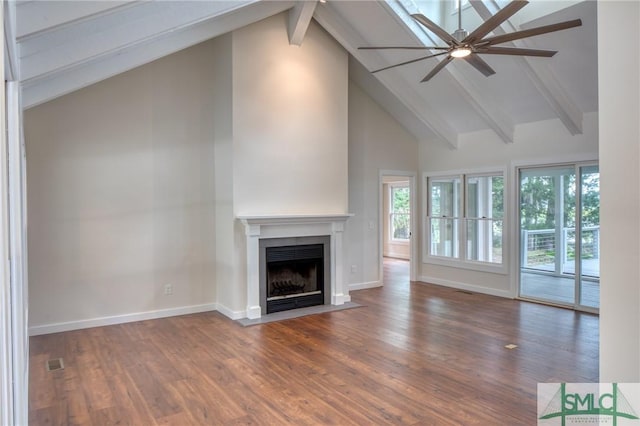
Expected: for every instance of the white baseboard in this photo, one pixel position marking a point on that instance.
(468, 287)
(119, 319)
(363, 286)
(340, 299)
(231, 314)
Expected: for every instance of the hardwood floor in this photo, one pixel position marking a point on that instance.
(414, 354)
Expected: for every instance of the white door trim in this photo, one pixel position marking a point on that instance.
(411, 177)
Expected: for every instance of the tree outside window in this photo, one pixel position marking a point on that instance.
(400, 213)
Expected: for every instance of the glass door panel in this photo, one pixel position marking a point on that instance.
(547, 232)
(560, 235)
(590, 236)
(567, 243)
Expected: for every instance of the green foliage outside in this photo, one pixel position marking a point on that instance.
(537, 201)
(400, 208)
(537, 212)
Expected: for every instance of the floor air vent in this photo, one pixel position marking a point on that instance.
(55, 364)
(463, 292)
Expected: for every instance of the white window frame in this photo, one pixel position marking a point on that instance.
(461, 260)
(484, 222)
(455, 217)
(393, 186)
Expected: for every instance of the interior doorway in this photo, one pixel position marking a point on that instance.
(396, 273)
(397, 224)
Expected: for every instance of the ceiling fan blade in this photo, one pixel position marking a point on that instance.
(436, 29)
(478, 63)
(529, 33)
(403, 47)
(490, 24)
(409, 62)
(443, 63)
(495, 50)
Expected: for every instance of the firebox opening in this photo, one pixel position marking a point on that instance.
(294, 273)
(294, 277)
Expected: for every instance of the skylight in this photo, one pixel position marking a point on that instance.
(444, 13)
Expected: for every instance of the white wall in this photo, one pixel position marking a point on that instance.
(230, 295)
(543, 142)
(376, 142)
(619, 103)
(284, 150)
(134, 183)
(289, 121)
(120, 194)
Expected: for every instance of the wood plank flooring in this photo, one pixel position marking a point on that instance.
(414, 354)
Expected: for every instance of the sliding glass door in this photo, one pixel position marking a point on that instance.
(559, 235)
(589, 237)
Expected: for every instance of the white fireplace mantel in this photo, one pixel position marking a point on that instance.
(288, 226)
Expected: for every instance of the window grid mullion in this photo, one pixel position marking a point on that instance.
(453, 222)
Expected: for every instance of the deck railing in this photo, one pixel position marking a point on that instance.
(550, 249)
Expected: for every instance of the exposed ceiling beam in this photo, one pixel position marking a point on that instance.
(101, 65)
(299, 19)
(70, 45)
(540, 74)
(38, 17)
(491, 113)
(350, 40)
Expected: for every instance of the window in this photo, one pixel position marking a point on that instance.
(465, 222)
(399, 213)
(484, 218)
(444, 216)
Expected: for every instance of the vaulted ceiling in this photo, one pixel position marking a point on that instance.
(66, 45)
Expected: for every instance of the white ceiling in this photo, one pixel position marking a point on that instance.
(66, 45)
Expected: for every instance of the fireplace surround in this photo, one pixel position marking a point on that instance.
(328, 229)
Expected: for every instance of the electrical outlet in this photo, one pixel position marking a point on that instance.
(168, 289)
(354, 269)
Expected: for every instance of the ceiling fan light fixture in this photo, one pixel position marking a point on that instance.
(461, 44)
(461, 52)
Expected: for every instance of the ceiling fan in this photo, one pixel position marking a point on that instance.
(466, 46)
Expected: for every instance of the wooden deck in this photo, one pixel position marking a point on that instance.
(559, 289)
(414, 354)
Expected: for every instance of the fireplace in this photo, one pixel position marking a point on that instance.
(293, 272)
(294, 230)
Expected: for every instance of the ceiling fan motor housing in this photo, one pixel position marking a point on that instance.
(460, 34)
